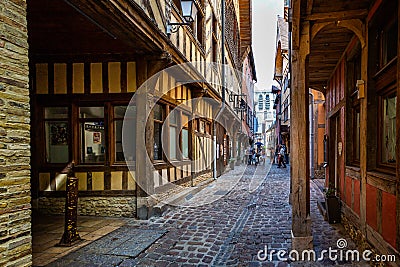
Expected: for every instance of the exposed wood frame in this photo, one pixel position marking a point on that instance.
(337, 16)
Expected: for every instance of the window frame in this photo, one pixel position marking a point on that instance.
(80, 121)
(385, 167)
(74, 133)
(69, 130)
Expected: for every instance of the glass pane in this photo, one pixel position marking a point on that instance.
(91, 112)
(56, 141)
(173, 117)
(389, 130)
(185, 121)
(357, 137)
(119, 153)
(157, 141)
(129, 151)
(172, 142)
(158, 112)
(92, 142)
(119, 112)
(56, 113)
(185, 143)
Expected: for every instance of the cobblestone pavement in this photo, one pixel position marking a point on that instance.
(225, 224)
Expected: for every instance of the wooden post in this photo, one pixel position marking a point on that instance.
(71, 210)
(398, 142)
(144, 142)
(300, 174)
(364, 137)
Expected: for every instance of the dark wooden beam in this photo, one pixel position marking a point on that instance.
(337, 15)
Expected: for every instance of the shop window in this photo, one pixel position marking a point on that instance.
(159, 112)
(388, 130)
(92, 135)
(56, 132)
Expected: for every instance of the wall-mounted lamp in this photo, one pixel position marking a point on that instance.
(361, 89)
(189, 13)
(279, 116)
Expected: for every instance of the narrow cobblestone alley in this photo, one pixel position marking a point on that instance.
(238, 219)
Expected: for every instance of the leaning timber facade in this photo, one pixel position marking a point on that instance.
(89, 58)
(349, 51)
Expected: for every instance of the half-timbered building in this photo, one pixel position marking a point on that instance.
(348, 50)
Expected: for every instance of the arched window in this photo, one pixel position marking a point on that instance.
(260, 102)
(267, 102)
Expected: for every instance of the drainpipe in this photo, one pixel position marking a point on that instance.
(311, 121)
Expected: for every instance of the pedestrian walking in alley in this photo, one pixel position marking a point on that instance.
(281, 157)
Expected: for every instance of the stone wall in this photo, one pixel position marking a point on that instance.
(15, 214)
(115, 206)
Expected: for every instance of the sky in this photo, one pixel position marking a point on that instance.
(265, 13)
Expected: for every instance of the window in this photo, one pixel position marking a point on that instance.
(119, 113)
(173, 134)
(185, 137)
(388, 136)
(92, 135)
(260, 102)
(353, 70)
(159, 112)
(267, 102)
(388, 44)
(56, 132)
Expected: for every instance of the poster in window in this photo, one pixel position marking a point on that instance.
(58, 133)
(96, 138)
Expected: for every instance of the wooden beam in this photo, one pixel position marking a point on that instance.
(337, 15)
(364, 138)
(310, 4)
(296, 8)
(398, 142)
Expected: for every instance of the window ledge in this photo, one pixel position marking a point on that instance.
(353, 172)
(384, 182)
(382, 176)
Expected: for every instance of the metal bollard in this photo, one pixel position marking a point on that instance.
(71, 213)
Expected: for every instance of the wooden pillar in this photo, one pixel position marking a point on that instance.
(300, 174)
(144, 142)
(364, 137)
(398, 142)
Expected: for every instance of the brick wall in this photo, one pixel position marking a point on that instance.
(15, 214)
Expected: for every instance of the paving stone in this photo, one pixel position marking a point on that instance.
(229, 222)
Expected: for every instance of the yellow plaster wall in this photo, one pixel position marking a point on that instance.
(42, 74)
(131, 181)
(96, 78)
(131, 76)
(60, 78)
(97, 181)
(116, 181)
(78, 78)
(44, 182)
(82, 180)
(114, 77)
